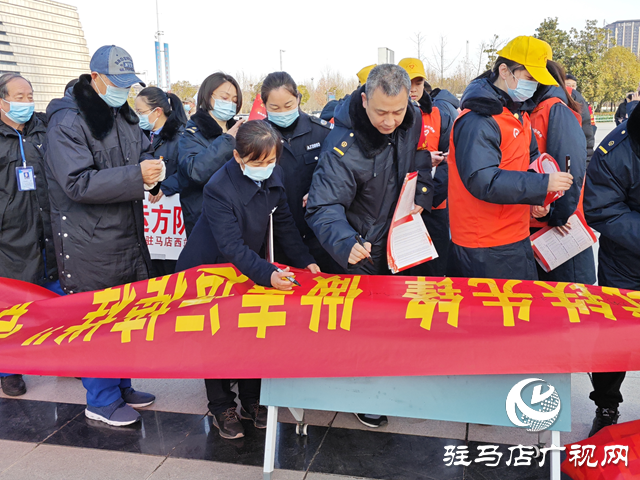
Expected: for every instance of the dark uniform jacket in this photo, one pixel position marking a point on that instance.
(165, 145)
(204, 149)
(356, 185)
(612, 204)
(26, 242)
(95, 186)
(234, 224)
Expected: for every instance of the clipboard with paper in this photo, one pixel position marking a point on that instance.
(409, 243)
(551, 249)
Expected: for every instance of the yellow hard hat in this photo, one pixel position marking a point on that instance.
(414, 67)
(363, 74)
(533, 53)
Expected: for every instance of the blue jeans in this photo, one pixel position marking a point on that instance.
(104, 391)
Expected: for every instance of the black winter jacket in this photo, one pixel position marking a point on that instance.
(25, 220)
(204, 149)
(356, 184)
(612, 204)
(95, 186)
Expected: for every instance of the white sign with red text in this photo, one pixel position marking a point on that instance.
(164, 227)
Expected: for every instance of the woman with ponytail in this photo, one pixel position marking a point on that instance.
(557, 125)
(162, 116)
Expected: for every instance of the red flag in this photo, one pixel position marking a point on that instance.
(258, 110)
(611, 454)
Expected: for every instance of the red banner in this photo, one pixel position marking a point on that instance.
(213, 321)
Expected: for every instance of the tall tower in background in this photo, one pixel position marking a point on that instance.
(43, 41)
(162, 57)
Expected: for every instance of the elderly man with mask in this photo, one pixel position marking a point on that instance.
(356, 184)
(98, 165)
(26, 242)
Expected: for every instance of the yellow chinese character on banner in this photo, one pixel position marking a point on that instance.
(112, 302)
(208, 289)
(505, 299)
(632, 299)
(426, 294)
(332, 291)
(150, 308)
(264, 318)
(581, 302)
(11, 326)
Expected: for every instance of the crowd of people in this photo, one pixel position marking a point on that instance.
(74, 180)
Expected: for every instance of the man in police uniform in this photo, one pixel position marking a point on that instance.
(612, 207)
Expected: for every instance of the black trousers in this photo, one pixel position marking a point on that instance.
(222, 398)
(606, 389)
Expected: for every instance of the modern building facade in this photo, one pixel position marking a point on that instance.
(626, 33)
(42, 40)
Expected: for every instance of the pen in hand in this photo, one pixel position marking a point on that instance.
(291, 279)
(361, 243)
(568, 160)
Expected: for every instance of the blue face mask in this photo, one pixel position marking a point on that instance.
(115, 96)
(258, 174)
(523, 91)
(284, 119)
(187, 108)
(19, 112)
(145, 124)
(224, 110)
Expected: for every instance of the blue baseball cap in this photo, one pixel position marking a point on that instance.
(116, 64)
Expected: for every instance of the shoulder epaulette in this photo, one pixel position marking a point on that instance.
(612, 140)
(322, 122)
(345, 142)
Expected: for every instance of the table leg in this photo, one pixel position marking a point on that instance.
(555, 456)
(270, 442)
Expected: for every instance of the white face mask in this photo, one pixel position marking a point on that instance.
(258, 174)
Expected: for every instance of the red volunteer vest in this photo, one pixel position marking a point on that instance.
(478, 224)
(540, 128)
(430, 137)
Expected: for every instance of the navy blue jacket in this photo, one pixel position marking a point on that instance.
(204, 149)
(165, 145)
(302, 143)
(612, 204)
(448, 105)
(234, 224)
(566, 137)
(356, 184)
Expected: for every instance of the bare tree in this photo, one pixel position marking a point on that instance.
(418, 38)
(440, 61)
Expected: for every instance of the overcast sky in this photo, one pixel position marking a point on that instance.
(205, 36)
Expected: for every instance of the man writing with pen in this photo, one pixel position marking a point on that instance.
(358, 180)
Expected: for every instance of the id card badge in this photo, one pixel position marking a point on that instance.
(26, 178)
